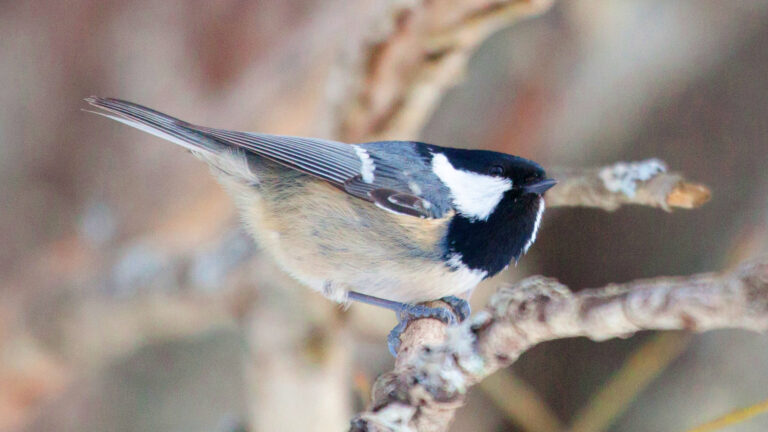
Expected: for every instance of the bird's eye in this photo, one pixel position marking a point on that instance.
(496, 171)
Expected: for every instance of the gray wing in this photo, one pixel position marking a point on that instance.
(332, 161)
(403, 180)
(393, 175)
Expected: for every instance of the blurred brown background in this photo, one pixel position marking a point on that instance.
(130, 300)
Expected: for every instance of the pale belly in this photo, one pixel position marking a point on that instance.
(335, 243)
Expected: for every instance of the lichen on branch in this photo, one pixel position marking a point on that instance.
(644, 183)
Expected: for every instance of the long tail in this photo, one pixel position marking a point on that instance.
(159, 124)
(221, 154)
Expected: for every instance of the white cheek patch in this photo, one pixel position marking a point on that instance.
(368, 167)
(474, 195)
(536, 224)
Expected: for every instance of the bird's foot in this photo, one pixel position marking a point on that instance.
(459, 305)
(458, 312)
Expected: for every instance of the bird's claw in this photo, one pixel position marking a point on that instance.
(460, 307)
(458, 312)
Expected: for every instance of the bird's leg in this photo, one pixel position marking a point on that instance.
(408, 312)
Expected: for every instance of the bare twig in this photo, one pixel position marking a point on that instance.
(733, 418)
(393, 82)
(433, 373)
(642, 183)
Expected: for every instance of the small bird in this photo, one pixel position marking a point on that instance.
(390, 223)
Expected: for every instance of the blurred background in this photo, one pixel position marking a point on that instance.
(130, 300)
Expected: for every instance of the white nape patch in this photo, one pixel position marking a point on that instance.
(623, 176)
(474, 195)
(468, 277)
(368, 166)
(535, 226)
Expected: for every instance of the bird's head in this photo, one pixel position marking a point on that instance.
(498, 198)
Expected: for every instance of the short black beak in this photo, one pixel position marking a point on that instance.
(539, 187)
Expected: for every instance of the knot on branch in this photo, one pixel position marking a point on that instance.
(527, 296)
(394, 416)
(754, 276)
(412, 395)
(435, 379)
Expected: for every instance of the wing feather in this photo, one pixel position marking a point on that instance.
(396, 166)
(316, 157)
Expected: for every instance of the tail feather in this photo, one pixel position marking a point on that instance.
(158, 124)
(226, 157)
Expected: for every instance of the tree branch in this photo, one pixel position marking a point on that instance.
(437, 365)
(392, 82)
(642, 183)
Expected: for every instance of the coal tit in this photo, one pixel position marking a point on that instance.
(390, 223)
